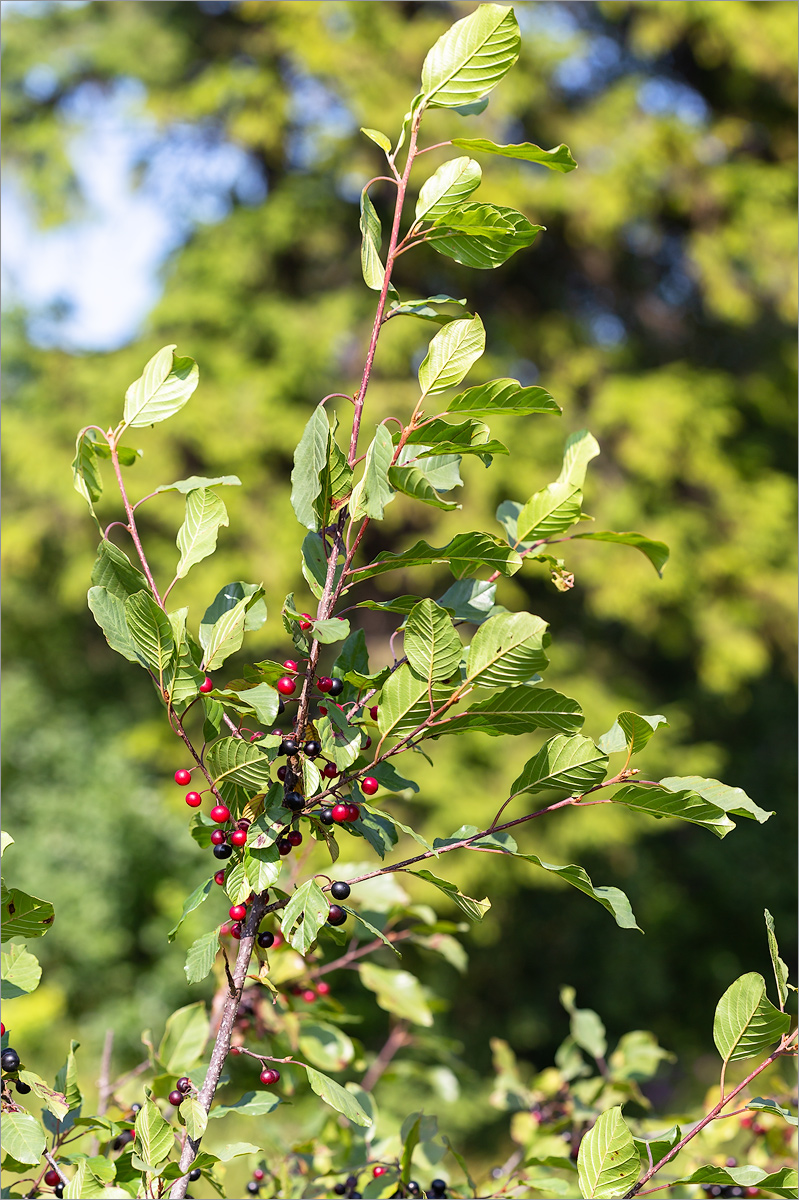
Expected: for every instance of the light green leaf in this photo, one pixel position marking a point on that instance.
(630, 732)
(371, 236)
(439, 437)
(580, 448)
(335, 480)
(56, 1102)
(405, 703)
(201, 956)
(451, 183)
(196, 539)
(783, 1182)
(451, 354)
(557, 159)
(226, 635)
(66, 1080)
(86, 478)
(337, 1097)
(20, 972)
(197, 897)
(431, 644)
(378, 138)
(587, 1029)
(150, 631)
(746, 1022)
(162, 389)
(310, 458)
(462, 555)
(372, 493)
(758, 1104)
(656, 552)
(84, 1184)
(184, 678)
(507, 648)
(344, 748)
(397, 992)
(608, 1162)
(470, 600)
(226, 599)
(251, 1104)
(335, 629)
(262, 867)
(425, 309)
(109, 613)
(503, 397)
(475, 909)
(234, 761)
(24, 916)
(154, 1136)
(184, 1038)
(23, 1137)
(664, 800)
(199, 481)
(780, 968)
(637, 1056)
(314, 560)
(194, 1117)
(732, 800)
(549, 512)
(469, 60)
(518, 711)
(566, 762)
(6, 840)
(304, 915)
(262, 699)
(325, 1046)
(412, 480)
(482, 236)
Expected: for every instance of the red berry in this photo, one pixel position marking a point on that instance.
(269, 1076)
(330, 771)
(220, 876)
(367, 743)
(324, 683)
(290, 665)
(336, 915)
(176, 1098)
(286, 686)
(368, 786)
(258, 1174)
(323, 988)
(306, 621)
(322, 710)
(238, 837)
(221, 813)
(341, 812)
(235, 931)
(2, 1029)
(224, 930)
(183, 777)
(235, 1050)
(183, 1084)
(279, 940)
(207, 684)
(218, 837)
(238, 912)
(353, 812)
(378, 1171)
(309, 995)
(295, 837)
(193, 799)
(373, 712)
(52, 1178)
(281, 774)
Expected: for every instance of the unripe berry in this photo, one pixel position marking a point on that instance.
(224, 930)
(266, 939)
(373, 712)
(330, 771)
(323, 988)
(238, 837)
(218, 836)
(183, 777)
(256, 737)
(283, 846)
(326, 816)
(309, 995)
(369, 786)
(337, 687)
(286, 686)
(235, 931)
(306, 621)
(237, 912)
(183, 1084)
(378, 1171)
(353, 812)
(279, 940)
(207, 684)
(221, 813)
(52, 1178)
(235, 1050)
(269, 1076)
(258, 1174)
(176, 1098)
(281, 774)
(293, 800)
(336, 915)
(340, 812)
(312, 748)
(324, 683)
(295, 837)
(220, 878)
(222, 851)
(340, 890)
(193, 799)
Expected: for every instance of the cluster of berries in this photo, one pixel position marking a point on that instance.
(10, 1060)
(181, 1091)
(310, 994)
(255, 1184)
(53, 1180)
(437, 1189)
(715, 1189)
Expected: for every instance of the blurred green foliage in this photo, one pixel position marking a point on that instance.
(658, 309)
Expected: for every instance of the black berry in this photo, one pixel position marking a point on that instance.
(252, 1188)
(351, 1181)
(223, 851)
(336, 915)
(336, 687)
(58, 1190)
(340, 890)
(326, 816)
(289, 745)
(183, 1084)
(283, 846)
(265, 940)
(22, 1088)
(293, 800)
(339, 1189)
(195, 1174)
(312, 749)
(9, 1060)
(439, 1184)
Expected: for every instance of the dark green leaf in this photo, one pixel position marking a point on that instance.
(114, 571)
(780, 968)
(314, 564)
(462, 555)
(518, 711)
(482, 236)
(470, 600)
(566, 763)
(666, 801)
(109, 613)
(150, 631)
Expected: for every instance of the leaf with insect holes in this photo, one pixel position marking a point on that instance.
(469, 60)
(161, 390)
(23, 915)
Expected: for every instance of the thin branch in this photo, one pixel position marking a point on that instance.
(352, 956)
(131, 525)
(398, 1038)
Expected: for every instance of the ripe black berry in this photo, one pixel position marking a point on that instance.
(22, 1088)
(223, 851)
(351, 1181)
(183, 1084)
(195, 1174)
(339, 1189)
(340, 890)
(336, 915)
(293, 800)
(283, 846)
(326, 816)
(252, 1188)
(312, 749)
(266, 939)
(336, 687)
(9, 1060)
(289, 745)
(176, 1098)
(58, 1190)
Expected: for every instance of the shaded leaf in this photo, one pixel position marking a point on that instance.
(462, 555)
(780, 968)
(412, 480)
(664, 801)
(397, 992)
(746, 1022)
(109, 613)
(482, 236)
(337, 1097)
(518, 711)
(304, 915)
(371, 235)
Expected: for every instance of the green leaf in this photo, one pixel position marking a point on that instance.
(23, 1137)
(226, 635)
(184, 1038)
(608, 1162)
(304, 915)
(783, 1182)
(656, 552)
(310, 458)
(566, 762)
(84, 1184)
(233, 761)
(340, 741)
(518, 711)
(630, 732)
(425, 309)
(407, 829)
(194, 1117)
(197, 897)
(56, 1102)
(314, 562)
(469, 60)
(337, 1097)
(114, 571)
(397, 992)
(199, 481)
(326, 1046)
(746, 1022)
(507, 648)
(24, 916)
(226, 599)
(405, 703)
(451, 183)
(475, 909)
(637, 1057)
(451, 354)
(378, 138)
(432, 645)
(503, 397)
(470, 600)
(549, 512)
(335, 480)
(6, 840)
(371, 236)
(251, 1104)
(664, 800)
(20, 972)
(262, 867)
(482, 236)
(372, 493)
(780, 968)
(732, 800)
(580, 448)
(197, 536)
(201, 956)
(587, 1029)
(462, 555)
(362, 924)
(412, 480)
(109, 613)
(335, 629)
(261, 699)
(758, 1104)
(390, 779)
(378, 830)
(86, 478)
(184, 678)
(557, 159)
(162, 389)
(150, 631)
(66, 1081)
(154, 1136)
(469, 437)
